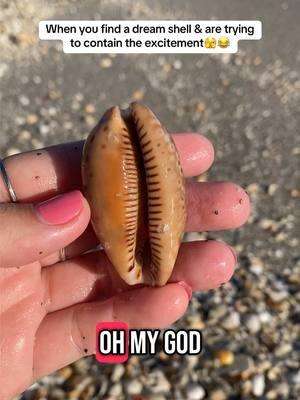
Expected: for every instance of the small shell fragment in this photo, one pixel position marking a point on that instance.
(135, 187)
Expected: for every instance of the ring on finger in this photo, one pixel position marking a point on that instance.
(7, 182)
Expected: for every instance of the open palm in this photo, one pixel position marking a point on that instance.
(48, 307)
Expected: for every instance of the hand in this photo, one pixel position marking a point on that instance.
(49, 308)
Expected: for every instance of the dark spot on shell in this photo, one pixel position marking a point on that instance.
(40, 252)
(42, 303)
(158, 144)
(216, 212)
(38, 154)
(83, 337)
(36, 177)
(240, 201)
(103, 146)
(85, 350)
(169, 169)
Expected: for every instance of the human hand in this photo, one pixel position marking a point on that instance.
(49, 308)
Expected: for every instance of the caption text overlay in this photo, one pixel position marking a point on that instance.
(115, 342)
(150, 36)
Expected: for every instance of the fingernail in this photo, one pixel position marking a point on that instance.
(233, 253)
(60, 209)
(187, 288)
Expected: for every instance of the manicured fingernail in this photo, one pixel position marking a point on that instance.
(60, 209)
(234, 254)
(187, 288)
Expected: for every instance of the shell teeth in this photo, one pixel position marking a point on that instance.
(134, 185)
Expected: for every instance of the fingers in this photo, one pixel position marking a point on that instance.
(82, 244)
(215, 206)
(87, 279)
(210, 206)
(69, 334)
(30, 232)
(39, 174)
(195, 151)
(203, 265)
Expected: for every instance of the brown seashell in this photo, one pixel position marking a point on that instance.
(134, 184)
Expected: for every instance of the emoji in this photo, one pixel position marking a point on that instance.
(210, 43)
(223, 42)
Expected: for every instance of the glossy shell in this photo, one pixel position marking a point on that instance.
(134, 184)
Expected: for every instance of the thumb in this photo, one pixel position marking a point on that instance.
(32, 231)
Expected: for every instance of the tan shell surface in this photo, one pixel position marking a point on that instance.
(135, 188)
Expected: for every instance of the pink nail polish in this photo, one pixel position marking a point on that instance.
(187, 288)
(60, 209)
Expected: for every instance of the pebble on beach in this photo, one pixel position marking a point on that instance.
(194, 392)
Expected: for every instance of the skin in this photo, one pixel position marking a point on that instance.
(49, 310)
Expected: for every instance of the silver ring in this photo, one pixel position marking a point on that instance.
(7, 182)
(62, 254)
